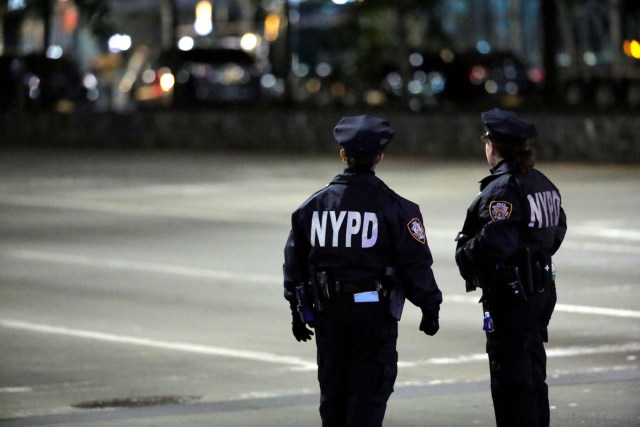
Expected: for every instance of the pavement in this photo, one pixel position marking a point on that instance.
(144, 289)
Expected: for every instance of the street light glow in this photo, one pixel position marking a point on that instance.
(204, 14)
(186, 43)
(634, 49)
(249, 42)
(119, 43)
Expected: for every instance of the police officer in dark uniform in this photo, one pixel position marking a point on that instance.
(512, 229)
(355, 250)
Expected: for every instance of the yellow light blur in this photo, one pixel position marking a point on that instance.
(272, 27)
(126, 84)
(374, 97)
(204, 10)
(634, 48)
(313, 85)
(626, 47)
(167, 81)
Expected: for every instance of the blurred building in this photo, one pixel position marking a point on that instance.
(315, 47)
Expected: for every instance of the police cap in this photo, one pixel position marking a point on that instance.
(363, 133)
(507, 126)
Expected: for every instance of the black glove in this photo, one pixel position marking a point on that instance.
(299, 329)
(429, 323)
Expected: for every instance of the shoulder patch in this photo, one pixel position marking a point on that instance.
(417, 230)
(500, 209)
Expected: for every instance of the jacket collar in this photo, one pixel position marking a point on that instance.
(502, 168)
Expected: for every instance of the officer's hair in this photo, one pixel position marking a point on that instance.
(519, 152)
(362, 161)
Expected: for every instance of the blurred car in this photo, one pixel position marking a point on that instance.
(39, 83)
(199, 77)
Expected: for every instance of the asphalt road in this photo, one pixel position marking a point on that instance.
(144, 288)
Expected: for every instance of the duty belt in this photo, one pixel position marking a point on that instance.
(354, 288)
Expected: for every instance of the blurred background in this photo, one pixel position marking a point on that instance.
(152, 151)
(419, 58)
(419, 55)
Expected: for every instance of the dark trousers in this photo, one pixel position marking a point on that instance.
(357, 362)
(518, 361)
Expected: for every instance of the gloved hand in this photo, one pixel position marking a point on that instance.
(429, 323)
(299, 329)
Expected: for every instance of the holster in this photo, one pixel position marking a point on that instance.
(542, 268)
(396, 294)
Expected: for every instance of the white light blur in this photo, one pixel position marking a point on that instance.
(203, 27)
(90, 81)
(491, 87)
(54, 52)
(590, 58)
(148, 76)
(119, 43)
(204, 14)
(249, 42)
(268, 81)
(416, 59)
(323, 69)
(186, 43)
(302, 70)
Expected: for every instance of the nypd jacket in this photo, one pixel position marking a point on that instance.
(513, 211)
(356, 227)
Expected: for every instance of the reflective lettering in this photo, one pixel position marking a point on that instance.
(353, 226)
(349, 224)
(370, 221)
(335, 224)
(318, 229)
(545, 209)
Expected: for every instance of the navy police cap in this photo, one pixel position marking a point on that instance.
(363, 133)
(505, 125)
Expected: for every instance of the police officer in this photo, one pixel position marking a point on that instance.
(361, 247)
(511, 230)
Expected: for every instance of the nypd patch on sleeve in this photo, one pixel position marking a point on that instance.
(417, 230)
(500, 209)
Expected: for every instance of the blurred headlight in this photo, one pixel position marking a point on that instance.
(167, 80)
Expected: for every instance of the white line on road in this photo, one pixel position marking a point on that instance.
(605, 232)
(197, 213)
(15, 389)
(602, 247)
(257, 278)
(566, 308)
(151, 267)
(631, 347)
(293, 362)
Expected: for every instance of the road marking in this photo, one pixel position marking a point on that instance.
(256, 278)
(15, 389)
(152, 267)
(602, 247)
(566, 308)
(551, 353)
(605, 232)
(294, 362)
(196, 213)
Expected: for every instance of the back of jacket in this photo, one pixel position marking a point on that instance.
(513, 211)
(355, 228)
